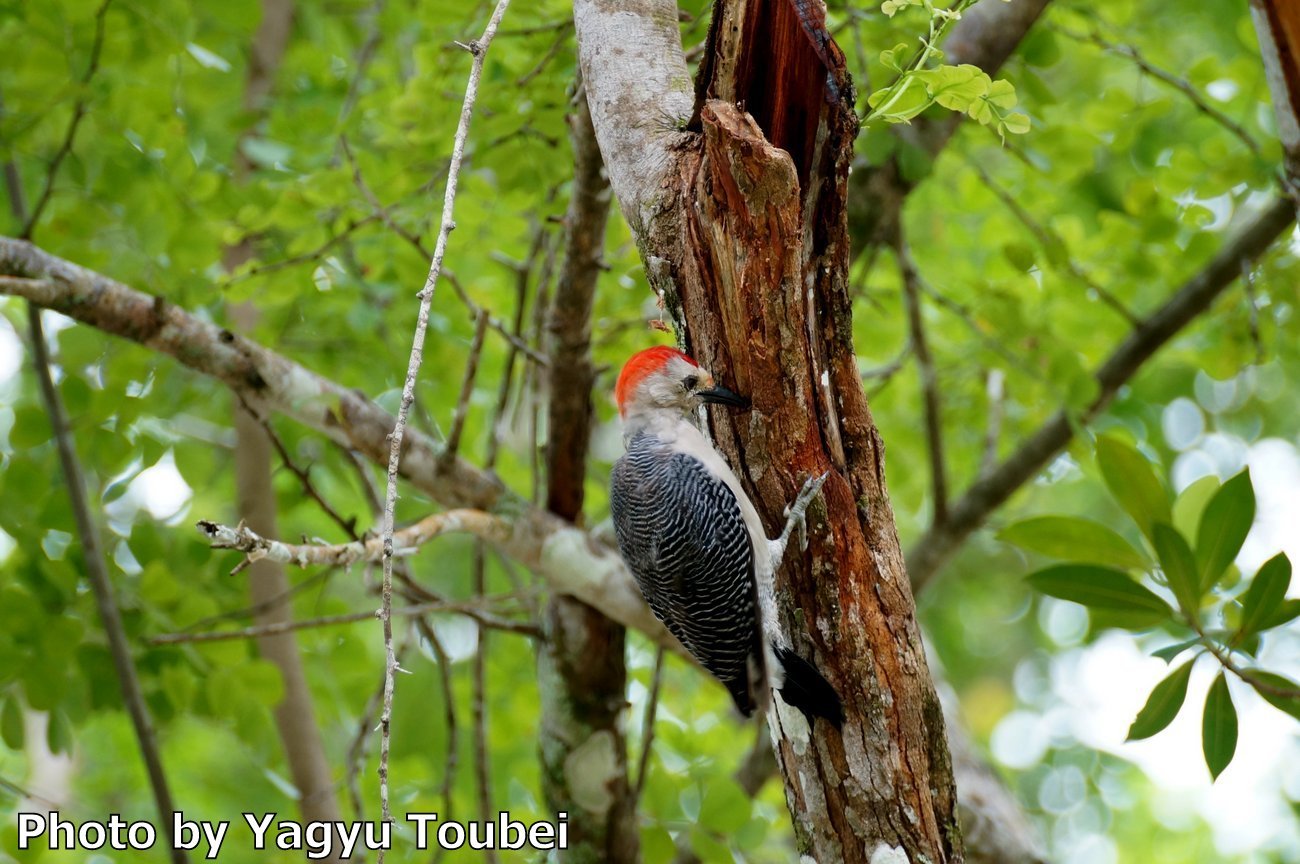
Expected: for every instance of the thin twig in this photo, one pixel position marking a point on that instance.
(1037, 449)
(888, 370)
(357, 749)
(994, 387)
(74, 480)
(70, 136)
(561, 37)
(648, 725)
(384, 212)
(1051, 241)
(348, 525)
(478, 704)
(1166, 77)
(305, 257)
(478, 49)
(97, 573)
(466, 388)
(453, 727)
(1252, 308)
(324, 621)
(929, 380)
(364, 56)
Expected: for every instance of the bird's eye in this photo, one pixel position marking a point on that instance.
(690, 382)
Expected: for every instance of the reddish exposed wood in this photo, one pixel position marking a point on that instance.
(1278, 24)
(762, 287)
(741, 223)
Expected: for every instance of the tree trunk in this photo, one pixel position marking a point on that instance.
(743, 231)
(581, 671)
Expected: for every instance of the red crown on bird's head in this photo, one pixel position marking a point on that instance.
(641, 364)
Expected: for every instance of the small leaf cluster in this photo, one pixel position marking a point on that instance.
(964, 88)
(1182, 582)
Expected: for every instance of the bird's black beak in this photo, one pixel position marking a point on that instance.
(723, 396)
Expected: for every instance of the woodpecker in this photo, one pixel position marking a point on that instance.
(694, 542)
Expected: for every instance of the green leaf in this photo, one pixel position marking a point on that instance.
(1265, 595)
(1073, 538)
(58, 734)
(1133, 482)
(955, 87)
(1286, 613)
(1272, 683)
(725, 808)
(11, 724)
(900, 102)
(1224, 525)
(1179, 564)
(1016, 124)
(31, 428)
(1162, 705)
(1219, 727)
(1002, 94)
(893, 58)
(1190, 504)
(1169, 652)
(1125, 602)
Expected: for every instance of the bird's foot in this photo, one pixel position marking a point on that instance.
(794, 517)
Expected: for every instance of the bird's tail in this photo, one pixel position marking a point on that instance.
(806, 689)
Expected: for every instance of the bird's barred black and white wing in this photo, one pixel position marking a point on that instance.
(681, 532)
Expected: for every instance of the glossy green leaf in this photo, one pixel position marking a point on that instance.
(1124, 600)
(1163, 704)
(1219, 727)
(1169, 652)
(1286, 612)
(1190, 504)
(1224, 525)
(1280, 692)
(1133, 482)
(1179, 565)
(1264, 597)
(1073, 538)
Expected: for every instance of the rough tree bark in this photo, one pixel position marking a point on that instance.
(742, 228)
(580, 666)
(1277, 24)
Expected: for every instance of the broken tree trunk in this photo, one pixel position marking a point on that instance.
(737, 201)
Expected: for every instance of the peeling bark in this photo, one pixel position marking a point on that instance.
(1278, 25)
(753, 258)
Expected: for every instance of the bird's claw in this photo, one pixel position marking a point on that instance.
(797, 510)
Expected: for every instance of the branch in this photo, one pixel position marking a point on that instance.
(1168, 78)
(70, 136)
(479, 50)
(1194, 297)
(405, 542)
(1052, 243)
(554, 549)
(639, 89)
(259, 631)
(97, 573)
(582, 663)
(929, 380)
